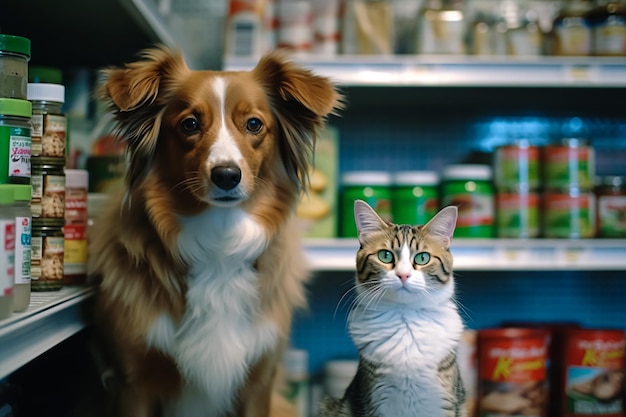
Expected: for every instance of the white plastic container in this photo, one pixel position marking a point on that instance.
(338, 375)
(23, 235)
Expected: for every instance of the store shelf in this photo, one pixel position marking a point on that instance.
(494, 254)
(51, 318)
(462, 71)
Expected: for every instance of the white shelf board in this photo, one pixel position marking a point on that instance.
(493, 254)
(51, 318)
(460, 71)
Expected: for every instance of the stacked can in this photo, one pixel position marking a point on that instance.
(517, 183)
(49, 131)
(568, 199)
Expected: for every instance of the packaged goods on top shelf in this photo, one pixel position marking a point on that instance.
(325, 28)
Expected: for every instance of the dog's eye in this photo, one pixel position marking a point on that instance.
(190, 125)
(254, 125)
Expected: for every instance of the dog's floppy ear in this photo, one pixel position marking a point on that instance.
(136, 96)
(300, 101)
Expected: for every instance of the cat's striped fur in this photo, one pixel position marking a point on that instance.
(404, 322)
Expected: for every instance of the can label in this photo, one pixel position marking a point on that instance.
(75, 257)
(612, 216)
(7, 256)
(512, 377)
(23, 227)
(569, 215)
(48, 196)
(594, 371)
(517, 215)
(48, 135)
(568, 166)
(475, 201)
(515, 165)
(47, 258)
(414, 205)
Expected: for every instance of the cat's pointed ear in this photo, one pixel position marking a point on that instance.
(366, 218)
(443, 224)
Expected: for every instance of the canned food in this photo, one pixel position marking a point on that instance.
(517, 213)
(569, 213)
(512, 372)
(373, 187)
(593, 373)
(517, 165)
(611, 213)
(47, 246)
(469, 188)
(569, 164)
(48, 181)
(414, 197)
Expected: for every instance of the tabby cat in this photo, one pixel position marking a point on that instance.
(404, 322)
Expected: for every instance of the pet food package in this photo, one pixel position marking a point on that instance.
(368, 27)
(251, 27)
(318, 207)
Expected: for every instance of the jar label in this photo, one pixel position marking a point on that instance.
(48, 196)
(19, 153)
(573, 40)
(612, 216)
(610, 39)
(568, 166)
(517, 215)
(7, 256)
(75, 257)
(47, 258)
(76, 206)
(517, 165)
(49, 135)
(22, 249)
(569, 216)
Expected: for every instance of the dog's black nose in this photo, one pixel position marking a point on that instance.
(226, 177)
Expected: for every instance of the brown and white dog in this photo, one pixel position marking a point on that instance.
(198, 264)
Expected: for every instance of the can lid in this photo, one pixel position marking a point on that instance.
(46, 92)
(15, 107)
(467, 172)
(574, 142)
(366, 178)
(76, 178)
(6, 194)
(15, 44)
(512, 332)
(22, 192)
(416, 178)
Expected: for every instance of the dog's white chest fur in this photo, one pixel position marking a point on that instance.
(410, 345)
(222, 332)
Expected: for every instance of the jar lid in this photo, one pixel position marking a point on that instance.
(46, 92)
(6, 194)
(574, 142)
(467, 172)
(15, 44)
(366, 178)
(416, 178)
(15, 107)
(76, 178)
(47, 160)
(22, 192)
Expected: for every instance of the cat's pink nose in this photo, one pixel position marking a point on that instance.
(403, 276)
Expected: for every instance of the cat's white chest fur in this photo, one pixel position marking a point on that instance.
(221, 333)
(411, 344)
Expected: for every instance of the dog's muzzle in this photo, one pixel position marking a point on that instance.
(226, 177)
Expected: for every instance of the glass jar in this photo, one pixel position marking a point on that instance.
(611, 202)
(14, 57)
(373, 187)
(49, 124)
(414, 197)
(7, 250)
(48, 180)
(48, 245)
(608, 28)
(572, 34)
(470, 189)
(23, 235)
(15, 141)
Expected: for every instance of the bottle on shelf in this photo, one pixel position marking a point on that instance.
(571, 33)
(608, 28)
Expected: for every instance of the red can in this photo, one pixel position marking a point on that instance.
(512, 372)
(593, 373)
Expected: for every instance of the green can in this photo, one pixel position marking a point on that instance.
(470, 188)
(15, 141)
(414, 196)
(373, 187)
(517, 213)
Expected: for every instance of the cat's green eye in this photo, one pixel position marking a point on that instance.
(385, 256)
(422, 258)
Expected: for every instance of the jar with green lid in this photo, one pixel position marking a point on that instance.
(23, 235)
(414, 196)
(49, 124)
(48, 181)
(373, 187)
(48, 249)
(469, 187)
(15, 141)
(14, 57)
(7, 250)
